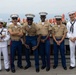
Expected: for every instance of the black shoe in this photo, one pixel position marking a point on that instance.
(26, 67)
(71, 67)
(65, 68)
(43, 67)
(0, 70)
(7, 70)
(37, 70)
(54, 67)
(21, 67)
(48, 68)
(13, 70)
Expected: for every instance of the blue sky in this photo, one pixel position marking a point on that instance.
(22, 7)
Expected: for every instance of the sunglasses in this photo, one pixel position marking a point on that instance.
(1, 22)
(29, 19)
(14, 18)
(58, 19)
(71, 14)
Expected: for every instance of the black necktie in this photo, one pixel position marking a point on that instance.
(72, 26)
(1, 31)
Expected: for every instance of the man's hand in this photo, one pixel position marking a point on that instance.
(27, 46)
(33, 48)
(16, 33)
(57, 42)
(60, 42)
(19, 34)
(42, 40)
(0, 40)
(72, 39)
(3, 36)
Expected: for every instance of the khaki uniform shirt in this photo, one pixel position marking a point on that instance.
(15, 29)
(23, 29)
(59, 30)
(44, 28)
(30, 30)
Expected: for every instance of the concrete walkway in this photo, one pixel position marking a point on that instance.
(31, 71)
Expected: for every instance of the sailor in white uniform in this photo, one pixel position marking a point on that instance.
(71, 26)
(4, 37)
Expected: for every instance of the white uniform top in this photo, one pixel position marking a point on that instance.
(70, 34)
(5, 39)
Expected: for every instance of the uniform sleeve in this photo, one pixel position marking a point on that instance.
(24, 25)
(23, 30)
(53, 30)
(9, 27)
(38, 29)
(68, 33)
(65, 29)
(7, 36)
(50, 27)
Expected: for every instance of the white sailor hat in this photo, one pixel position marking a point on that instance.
(43, 13)
(72, 12)
(30, 15)
(14, 15)
(58, 16)
(1, 20)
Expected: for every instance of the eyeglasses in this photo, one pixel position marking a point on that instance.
(14, 18)
(1, 22)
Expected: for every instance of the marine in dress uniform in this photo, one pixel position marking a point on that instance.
(59, 33)
(31, 41)
(71, 26)
(16, 33)
(4, 37)
(44, 47)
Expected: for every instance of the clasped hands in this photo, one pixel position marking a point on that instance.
(28, 47)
